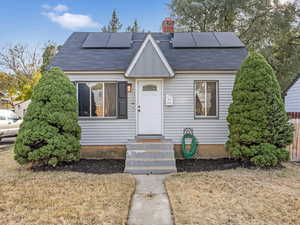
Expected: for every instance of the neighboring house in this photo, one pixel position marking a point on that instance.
(292, 106)
(21, 107)
(292, 96)
(4, 102)
(134, 85)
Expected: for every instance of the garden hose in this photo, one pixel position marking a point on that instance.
(189, 154)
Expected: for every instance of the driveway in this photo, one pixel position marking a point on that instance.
(6, 143)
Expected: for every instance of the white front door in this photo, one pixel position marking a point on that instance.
(149, 107)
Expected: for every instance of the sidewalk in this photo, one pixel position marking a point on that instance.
(150, 203)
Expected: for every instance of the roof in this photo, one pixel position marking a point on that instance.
(73, 57)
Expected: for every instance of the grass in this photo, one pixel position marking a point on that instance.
(236, 197)
(64, 198)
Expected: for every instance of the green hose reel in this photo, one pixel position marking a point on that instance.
(188, 133)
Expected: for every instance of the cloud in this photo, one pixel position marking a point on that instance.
(61, 8)
(58, 14)
(72, 21)
(46, 6)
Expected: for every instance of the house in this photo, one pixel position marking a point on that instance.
(292, 106)
(21, 107)
(292, 96)
(140, 87)
(4, 102)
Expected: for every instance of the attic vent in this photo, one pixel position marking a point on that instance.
(108, 40)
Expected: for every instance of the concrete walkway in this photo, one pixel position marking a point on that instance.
(150, 203)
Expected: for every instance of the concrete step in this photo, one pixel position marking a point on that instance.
(150, 137)
(147, 158)
(145, 154)
(150, 170)
(150, 163)
(149, 146)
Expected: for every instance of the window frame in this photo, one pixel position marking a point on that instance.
(103, 98)
(217, 100)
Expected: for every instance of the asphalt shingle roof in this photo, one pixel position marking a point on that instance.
(73, 57)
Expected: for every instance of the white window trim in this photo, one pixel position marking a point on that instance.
(103, 99)
(217, 100)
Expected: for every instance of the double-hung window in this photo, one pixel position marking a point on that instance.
(97, 99)
(206, 99)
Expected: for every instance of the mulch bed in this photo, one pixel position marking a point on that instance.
(105, 166)
(197, 165)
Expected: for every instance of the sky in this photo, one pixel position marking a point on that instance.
(34, 22)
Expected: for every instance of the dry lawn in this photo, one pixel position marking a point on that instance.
(64, 198)
(236, 197)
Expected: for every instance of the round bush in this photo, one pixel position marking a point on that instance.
(50, 132)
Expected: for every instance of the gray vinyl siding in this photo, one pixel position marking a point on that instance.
(292, 99)
(107, 131)
(181, 114)
(149, 64)
(175, 119)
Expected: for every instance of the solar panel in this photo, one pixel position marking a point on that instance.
(228, 39)
(96, 40)
(108, 40)
(183, 40)
(120, 40)
(205, 39)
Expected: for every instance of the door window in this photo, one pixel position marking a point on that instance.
(150, 87)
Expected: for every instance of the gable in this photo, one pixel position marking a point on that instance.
(149, 62)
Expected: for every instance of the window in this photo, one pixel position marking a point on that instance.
(12, 116)
(150, 87)
(97, 99)
(206, 99)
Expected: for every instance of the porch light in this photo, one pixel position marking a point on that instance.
(129, 88)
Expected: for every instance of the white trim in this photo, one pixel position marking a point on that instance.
(161, 55)
(94, 72)
(206, 72)
(137, 102)
(175, 72)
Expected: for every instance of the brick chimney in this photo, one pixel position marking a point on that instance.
(168, 25)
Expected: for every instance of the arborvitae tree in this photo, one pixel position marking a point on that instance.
(258, 124)
(114, 24)
(50, 132)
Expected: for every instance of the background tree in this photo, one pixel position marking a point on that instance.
(50, 50)
(266, 26)
(134, 27)
(258, 124)
(114, 24)
(50, 132)
(23, 66)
